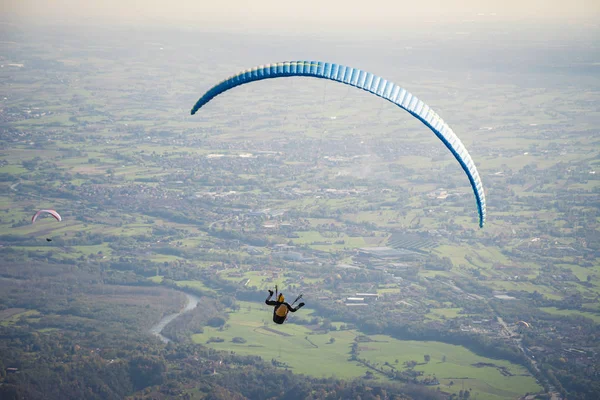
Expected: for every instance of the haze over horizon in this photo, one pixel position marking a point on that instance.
(269, 15)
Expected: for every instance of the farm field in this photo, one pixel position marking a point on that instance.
(328, 354)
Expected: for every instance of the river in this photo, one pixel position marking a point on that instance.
(192, 302)
(157, 329)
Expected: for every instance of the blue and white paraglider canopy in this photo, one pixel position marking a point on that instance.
(372, 84)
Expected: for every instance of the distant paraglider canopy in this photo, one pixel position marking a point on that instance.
(523, 324)
(51, 212)
(372, 84)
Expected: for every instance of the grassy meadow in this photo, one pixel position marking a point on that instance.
(305, 351)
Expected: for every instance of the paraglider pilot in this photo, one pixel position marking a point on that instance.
(280, 312)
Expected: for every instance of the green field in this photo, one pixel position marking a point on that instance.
(306, 352)
(444, 313)
(319, 242)
(573, 313)
(486, 381)
(287, 345)
(12, 316)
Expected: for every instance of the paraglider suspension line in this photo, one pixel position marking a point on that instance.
(297, 298)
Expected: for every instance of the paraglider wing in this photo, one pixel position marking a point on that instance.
(51, 212)
(524, 324)
(372, 84)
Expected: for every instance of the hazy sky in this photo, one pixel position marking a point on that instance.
(324, 14)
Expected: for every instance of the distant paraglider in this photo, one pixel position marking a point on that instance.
(523, 324)
(51, 212)
(372, 84)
